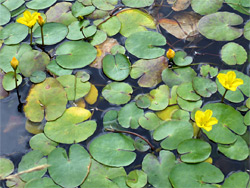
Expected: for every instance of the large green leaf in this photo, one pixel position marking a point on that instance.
(206, 6)
(240, 5)
(55, 69)
(186, 92)
(112, 26)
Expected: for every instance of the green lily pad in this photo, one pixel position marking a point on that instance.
(53, 33)
(6, 167)
(181, 59)
(4, 15)
(204, 86)
(248, 103)
(137, 3)
(117, 49)
(158, 170)
(74, 87)
(75, 29)
(14, 33)
(228, 120)
(18, 11)
(134, 20)
(75, 54)
(30, 160)
(110, 120)
(103, 176)
(186, 92)
(142, 101)
(71, 127)
(55, 69)
(42, 143)
(149, 71)
(218, 26)
(177, 76)
(204, 7)
(129, 115)
(98, 14)
(173, 132)
(15, 182)
(41, 183)
(40, 4)
(207, 70)
(118, 149)
(78, 9)
(98, 38)
(105, 4)
(247, 118)
(239, 5)
(150, 121)
(180, 115)
(116, 67)
(13, 4)
(117, 93)
(233, 53)
(69, 170)
(141, 145)
(199, 175)
(32, 61)
(237, 151)
(194, 150)
(49, 97)
(136, 179)
(159, 98)
(246, 30)
(236, 179)
(145, 44)
(112, 26)
(37, 77)
(188, 105)
(9, 81)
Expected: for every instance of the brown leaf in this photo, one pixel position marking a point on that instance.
(179, 5)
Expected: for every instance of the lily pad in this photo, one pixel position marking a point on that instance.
(207, 70)
(194, 150)
(49, 97)
(15, 182)
(228, 120)
(236, 179)
(247, 31)
(237, 151)
(78, 9)
(136, 179)
(6, 167)
(40, 4)
(118, 149)
(204, 7)
(98, 38)
(117, 93)
(159, 98)
(13, 4)
(4, 15)
(71, 127)
(239, 5)
(34, 127)
(75, 54)
(188, 105)
(117, 49)
(150, 121)
(181, 59)
(247, 118)
(112, 26)
(55, 69)
(173, 132)
(105, 4)
(233, 53)
(158, 170)
(75, 29)
(38, 77)
(179, 5)
(149, 71)
(186, 92)
(199, 175)
(180, 115)
(116, 67)
(41, 183)
(137, 3)
(204, 86)
(110, 120)
(141, 145)
(129, 115)
(142, 101)
(144, 44)
(69, 170)
(134, 20)
(14, 33)
(9, 81)
(218, 26)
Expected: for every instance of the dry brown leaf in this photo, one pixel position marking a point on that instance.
(179, 5)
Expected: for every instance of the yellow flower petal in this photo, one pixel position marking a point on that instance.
(212, 121)
(231, 75)
(208, 128)
(27, 15)
(208, 114)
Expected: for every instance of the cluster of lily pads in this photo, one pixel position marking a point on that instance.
(73, 36)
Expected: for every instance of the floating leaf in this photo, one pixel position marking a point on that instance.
(150, 121)
(9, 81)
(75, 32)
(136, 179)
(204, 7)
(78, 9)
(112, 26)
(142, 101)
(247, 118)
(117, 93)
(134, 20)
(144, 44)
(55, 69)
(98, 14)
(129, 115)
(204, 86)
(75, 54)
(173, 132)
(236, 179)
(233, 53)
(40, 4)
(179, 5)
(239, 5)
(4, 15)
(105, 4)
(228, 120)
(159, 98)
(15, 182)
(18, 11)
(13, 4)
(41, 183)
(110, 120)
(117, 49)
(158, 170)
(6, 167)
(116, 67)
(98, 38)
(34, 127)
(83, 75)
(247, 31)
(137, 3)
(206, 70)
(167, 113)
(186, 92)
(69, 170)
(218, 26)
(118, 149)
(38, 77)
(180, 115)
(70, 128)
(141, 145)
(92, 96)
(188, 105)
(149, 70)
(181, 59)
(48, 96)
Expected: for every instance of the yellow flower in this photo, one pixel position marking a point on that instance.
(229, 80)
(14, 63)
(170, 54)
(29, 19)
(205, 120)
(40, 21)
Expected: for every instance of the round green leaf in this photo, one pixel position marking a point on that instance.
(237, 151)
(206, 70)
(38, 77)
(150, 121)
(117, 93)
(247, 31)
(236, 179)
(105, 4)
(230, 121)
(180, 115)
(137, 3)
(194, 150)
(247, 118)
(186, 92)
(181, 59)
(14, 33)
(98, 38)
(78, 9)
(42, 143)
(111, 26)
(110, 120)
(142, 101)
(75, 32)
(141, 145)
(159, 98)
(13, 4)
(75, 54)
(70, 128)
(4, 15)
(30, 160)
(204, 7)
(144, 44)
(117, 49)
(53, 33)
(6, 167)
(9, 81)
(204, 86)
(241, 6)
(136, 179)
(116, 67)
(173, 132)
(41, 183)
(118, 149)
(233, 53)
(48, 97)
(55, 69)
(218, 26)
(40, 4)
(83, 75)
(188, 105)
(69, 171)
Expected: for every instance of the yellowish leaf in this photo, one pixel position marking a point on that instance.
(92, 95)
(167, 113)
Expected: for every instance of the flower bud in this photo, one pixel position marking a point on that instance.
(40, 21)
(14, 63)
(170, 54)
